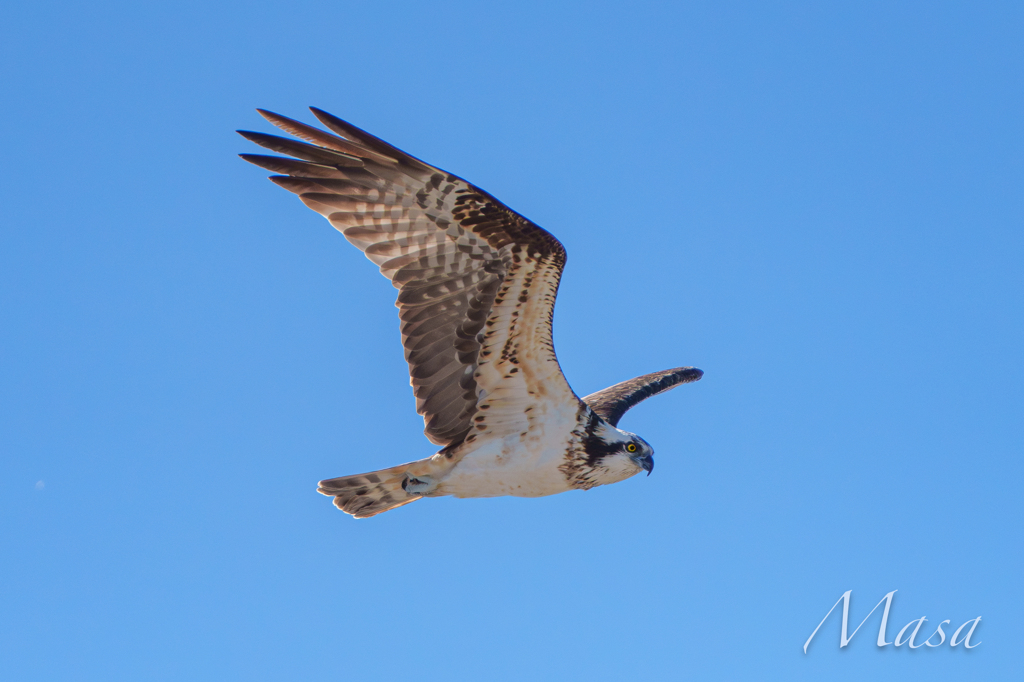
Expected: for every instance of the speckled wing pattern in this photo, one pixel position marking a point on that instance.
(614, 401)
(476, 281)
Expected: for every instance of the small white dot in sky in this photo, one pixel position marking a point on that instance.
(40, 485)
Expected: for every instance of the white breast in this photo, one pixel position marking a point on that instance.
(520, 464)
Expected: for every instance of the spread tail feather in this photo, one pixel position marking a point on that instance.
(366, 495)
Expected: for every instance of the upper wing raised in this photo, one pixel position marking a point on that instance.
(477, 281)
(614, 401)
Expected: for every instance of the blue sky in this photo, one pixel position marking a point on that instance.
(818, 205)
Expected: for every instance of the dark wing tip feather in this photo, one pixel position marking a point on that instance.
(614, 401)
(347, 130)
(302, 150)
(294, 167)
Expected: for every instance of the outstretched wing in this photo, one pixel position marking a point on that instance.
(612, 402)
(476, 281)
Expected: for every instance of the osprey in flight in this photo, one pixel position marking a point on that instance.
(476, 290)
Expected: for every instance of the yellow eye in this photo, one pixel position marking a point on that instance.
(631, 447)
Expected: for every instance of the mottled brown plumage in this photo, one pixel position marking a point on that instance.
(476, 291)
(446, 245)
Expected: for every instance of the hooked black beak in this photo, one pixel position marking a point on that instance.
(647, 462)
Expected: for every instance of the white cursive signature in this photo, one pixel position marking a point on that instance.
(899, 641)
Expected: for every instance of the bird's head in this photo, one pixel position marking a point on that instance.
(621, 453)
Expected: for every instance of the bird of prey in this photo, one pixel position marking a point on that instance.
(476, 290)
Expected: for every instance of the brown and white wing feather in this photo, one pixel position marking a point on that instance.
(614, 401)
(476, 281)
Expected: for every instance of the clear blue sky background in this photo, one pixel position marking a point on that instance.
(820, 206)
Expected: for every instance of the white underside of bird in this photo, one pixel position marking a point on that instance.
(525, 465)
